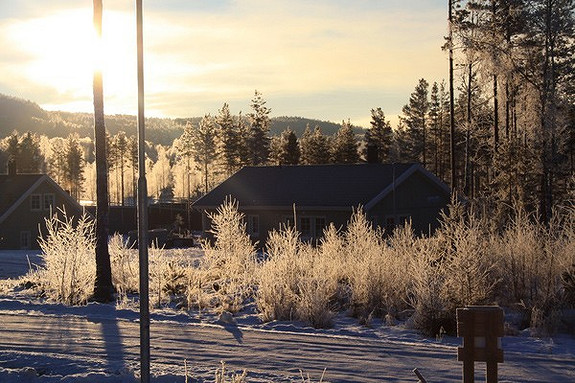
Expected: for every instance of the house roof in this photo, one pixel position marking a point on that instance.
(14, 189)
(312, 186)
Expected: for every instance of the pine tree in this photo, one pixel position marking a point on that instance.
(228, 141)
(203, 147)
(415, 119)
(243, 130)
(285, 150)
(103, 288)
(74, 166)
(120, 155)
(259, 141)
(379, 137)
(345, 146)
(315, 148)
(26, 152)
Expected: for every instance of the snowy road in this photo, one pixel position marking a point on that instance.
(65, 345)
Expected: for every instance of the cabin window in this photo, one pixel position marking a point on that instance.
(35, 202)
(389, 224)
(305, 226)
(25, 238)
(392, 221)
(289, 222)
(253, 224)
(49, 201)
(319, 226)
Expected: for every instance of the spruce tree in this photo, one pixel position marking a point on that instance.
(315, 147)
(415, 119)
(345, 145)
(228, 141)
(29, 158)
(259, 141)
(203, 146)
(74, 166)
(379, 137)
(285, 149)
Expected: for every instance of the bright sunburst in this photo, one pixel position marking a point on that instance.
(60, 50)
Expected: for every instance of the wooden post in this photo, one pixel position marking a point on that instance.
(481, 328)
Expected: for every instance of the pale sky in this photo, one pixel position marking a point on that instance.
(325, 59)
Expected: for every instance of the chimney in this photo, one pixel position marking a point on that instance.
(372, 154)
(11, 166)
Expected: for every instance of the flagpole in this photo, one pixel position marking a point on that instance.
(142, 210)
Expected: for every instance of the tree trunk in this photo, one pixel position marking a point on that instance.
(103, 289)
(451, 103)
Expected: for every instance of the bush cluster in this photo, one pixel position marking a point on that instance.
(365, 272)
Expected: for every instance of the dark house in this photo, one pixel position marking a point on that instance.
(319, 195)
(25, 201)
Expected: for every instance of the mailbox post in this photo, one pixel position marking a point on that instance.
(481, 328)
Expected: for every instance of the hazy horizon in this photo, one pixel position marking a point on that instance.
(325, 60)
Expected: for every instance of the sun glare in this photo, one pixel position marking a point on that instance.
(63, 52)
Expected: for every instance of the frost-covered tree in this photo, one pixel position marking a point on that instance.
(415, 119)
(204, 147)
(228, 141)
(379, 137)
(345, 145)
(74, 166)
(259, 141)
(285, 148)
(315, 147)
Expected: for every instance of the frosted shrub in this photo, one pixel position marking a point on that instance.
(375, 269)
(231, 260)
(68, 250)
(278, 280)
(294, 282)
(564, 248)
(334, 264)
(124, 262)
(521, 249)
(427, 274)
(400, 253)
(316, 289)
(469, 263)
(168, 273)
(363, 252)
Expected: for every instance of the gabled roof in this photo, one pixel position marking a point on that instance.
(14, 189)
(312, 186)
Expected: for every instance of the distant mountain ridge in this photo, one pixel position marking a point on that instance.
(24, 115)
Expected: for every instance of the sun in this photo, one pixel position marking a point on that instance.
(61, 53)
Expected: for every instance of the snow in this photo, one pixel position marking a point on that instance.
(44, 342)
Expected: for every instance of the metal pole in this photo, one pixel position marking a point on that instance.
(142, 211)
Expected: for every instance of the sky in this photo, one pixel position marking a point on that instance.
(331, 60)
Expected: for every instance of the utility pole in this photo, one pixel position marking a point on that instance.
(142, 210)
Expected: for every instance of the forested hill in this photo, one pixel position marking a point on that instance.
(23, 116)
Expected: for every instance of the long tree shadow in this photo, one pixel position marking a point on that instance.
(113, 342)
(233, 329)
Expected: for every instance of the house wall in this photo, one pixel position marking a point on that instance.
(417, 198)
(269, 220)
(27, 220)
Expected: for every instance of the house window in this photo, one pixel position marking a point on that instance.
(35, 202)
(49, 201)
(305, 226)
(289, 222)
(319, 226)
(389, 224)
(25, 239)
(253, 224)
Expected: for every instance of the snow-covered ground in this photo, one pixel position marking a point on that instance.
(42, 342)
